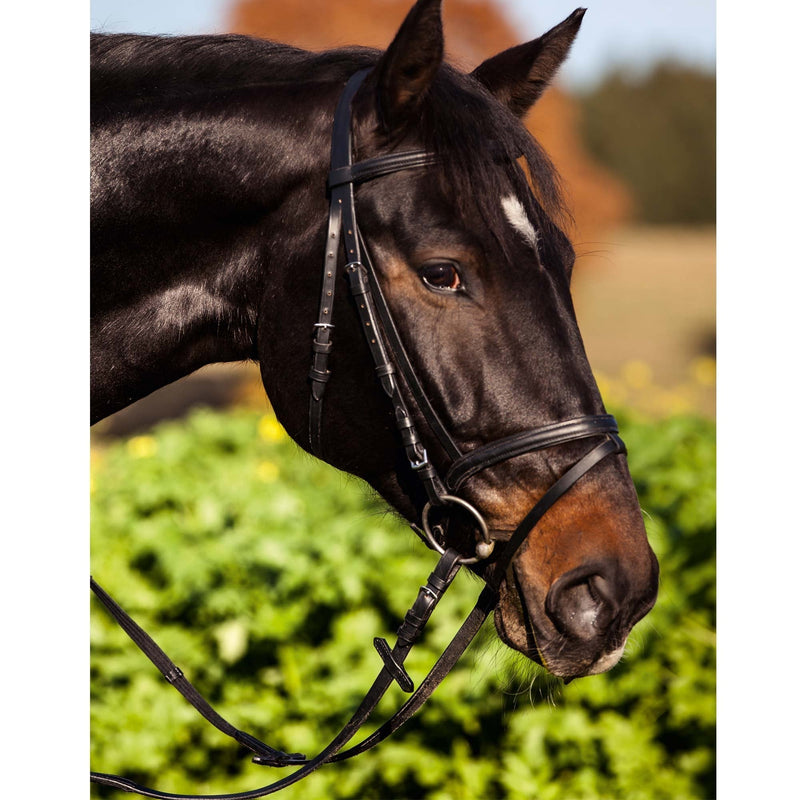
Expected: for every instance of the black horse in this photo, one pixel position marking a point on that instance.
(210, 156)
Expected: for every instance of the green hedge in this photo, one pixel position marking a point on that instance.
(265, 574)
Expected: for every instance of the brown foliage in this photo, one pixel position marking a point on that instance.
(474, 30)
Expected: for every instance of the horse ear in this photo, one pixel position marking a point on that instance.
(407, 68)
(518, 76)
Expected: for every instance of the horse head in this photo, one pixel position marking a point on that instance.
(476, 272)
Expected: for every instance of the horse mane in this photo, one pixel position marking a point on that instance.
(137, 67)
(459, 120)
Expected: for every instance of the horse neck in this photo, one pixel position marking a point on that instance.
(198, 206)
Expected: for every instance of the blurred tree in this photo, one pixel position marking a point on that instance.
(474, 30)
(658, 133)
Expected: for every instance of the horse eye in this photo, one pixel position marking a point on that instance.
(442, 275)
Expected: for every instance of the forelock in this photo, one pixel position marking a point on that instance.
(486, 153)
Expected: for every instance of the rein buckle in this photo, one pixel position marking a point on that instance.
(423, 462)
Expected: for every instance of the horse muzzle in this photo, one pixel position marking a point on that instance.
(579, 625)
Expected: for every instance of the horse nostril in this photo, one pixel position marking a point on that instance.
(582, 604)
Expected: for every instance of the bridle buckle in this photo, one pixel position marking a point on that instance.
(423, 462)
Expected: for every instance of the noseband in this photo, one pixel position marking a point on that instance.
(390, 359)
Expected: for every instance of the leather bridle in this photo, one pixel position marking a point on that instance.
(390, 358)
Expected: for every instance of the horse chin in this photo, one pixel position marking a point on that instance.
(565, 658)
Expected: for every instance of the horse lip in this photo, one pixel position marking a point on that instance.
(607, 661)
(532, 651)
(527, 603)
(515, 596)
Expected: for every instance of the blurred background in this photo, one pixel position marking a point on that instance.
(630, 126)
(273, 612)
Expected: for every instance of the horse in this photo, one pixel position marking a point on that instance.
(215, 207)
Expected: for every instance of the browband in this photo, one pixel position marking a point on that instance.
(380, 165)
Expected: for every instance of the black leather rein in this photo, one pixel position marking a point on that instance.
(389, 357)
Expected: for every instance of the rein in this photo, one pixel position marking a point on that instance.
(389, 357)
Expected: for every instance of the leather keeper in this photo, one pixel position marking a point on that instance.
(417, 616)
(409, 631)
(357, 278)
(321, 347)
(174, 675)
(411, 442)
(436, 584)
(403, 421)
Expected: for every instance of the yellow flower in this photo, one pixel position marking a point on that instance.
(142, 446)
(637, 374)
(704, 370)
(675, 401)
(267, 471)
(270, 430)
(612, 391)
(603, 383)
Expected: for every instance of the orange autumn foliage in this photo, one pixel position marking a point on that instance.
(474, 30)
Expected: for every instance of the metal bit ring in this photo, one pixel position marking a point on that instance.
(483, 549)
